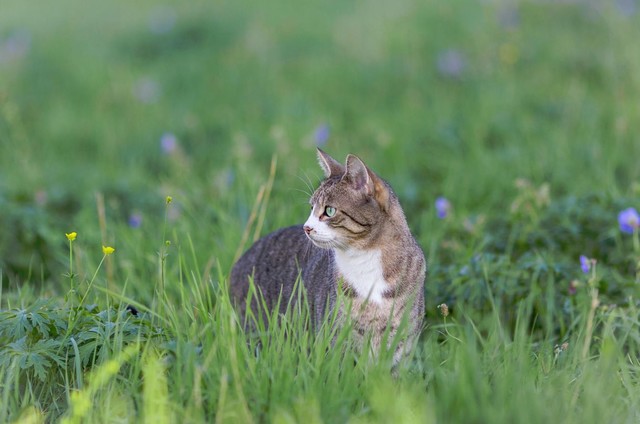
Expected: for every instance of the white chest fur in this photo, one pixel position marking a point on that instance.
(362, 269)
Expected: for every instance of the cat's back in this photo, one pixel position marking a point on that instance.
(275, 262)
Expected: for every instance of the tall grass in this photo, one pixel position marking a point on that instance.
(195, 363)
(521, 114)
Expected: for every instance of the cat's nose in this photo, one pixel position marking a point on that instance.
(307, 229)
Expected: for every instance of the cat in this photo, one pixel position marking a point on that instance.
(356, 239)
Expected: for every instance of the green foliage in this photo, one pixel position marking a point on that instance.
(33, 227)
(45, 343)
(107, 110)
(535, 248)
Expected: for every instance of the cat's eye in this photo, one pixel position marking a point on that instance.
(329, 211)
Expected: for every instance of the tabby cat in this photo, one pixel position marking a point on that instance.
(356, 239)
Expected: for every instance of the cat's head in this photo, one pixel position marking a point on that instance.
(351, 207)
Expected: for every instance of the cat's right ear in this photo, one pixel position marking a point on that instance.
(329, 165)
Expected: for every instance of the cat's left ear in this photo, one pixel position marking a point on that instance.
(329, 165)
(362, 178)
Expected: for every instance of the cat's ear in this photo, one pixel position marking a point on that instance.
(329, 165)
(362, 178)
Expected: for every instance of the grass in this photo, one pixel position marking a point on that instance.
(521, 114)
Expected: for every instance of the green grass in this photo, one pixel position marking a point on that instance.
(546, 93)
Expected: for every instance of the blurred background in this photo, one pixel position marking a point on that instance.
(108, 107)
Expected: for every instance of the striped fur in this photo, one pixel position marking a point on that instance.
(356, 233)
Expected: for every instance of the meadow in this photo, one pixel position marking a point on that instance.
(143, 146)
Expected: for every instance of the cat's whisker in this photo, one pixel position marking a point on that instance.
(307, 181)
(308, 246)
(341, 245)
(307, 195)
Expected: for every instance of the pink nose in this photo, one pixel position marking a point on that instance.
(307, 229)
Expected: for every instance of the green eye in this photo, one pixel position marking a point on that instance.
(329, 211)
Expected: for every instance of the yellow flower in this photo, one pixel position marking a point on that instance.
(71, 236)
(107, 250)
(169, 199)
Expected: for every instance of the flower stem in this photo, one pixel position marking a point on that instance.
(448, 333)
(589, 329)
(595, 302)
(74, 312)
(92, 280)
(71, 265)
(163, 252)
(636, 250)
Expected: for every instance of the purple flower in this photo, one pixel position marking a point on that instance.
(585, 264)
(442, 207)
(146, 90)
(162, 19)
(629, 220)
(627, 7)
(509, 17)
(168, 143)
(15, 46)
(321, 135)
(451, 63)
(135, 220)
